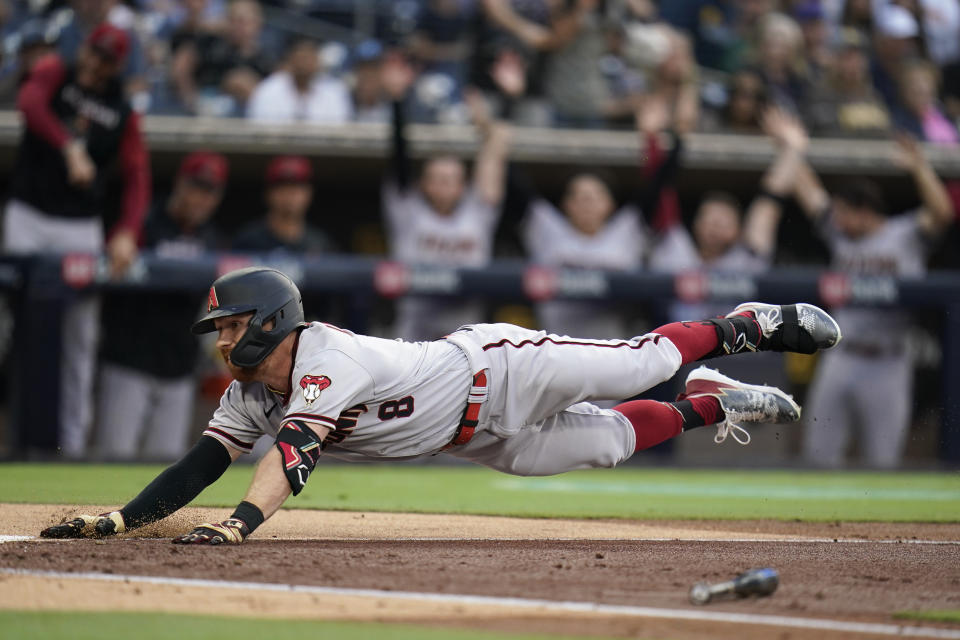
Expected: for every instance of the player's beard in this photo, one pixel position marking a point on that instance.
(240, 374)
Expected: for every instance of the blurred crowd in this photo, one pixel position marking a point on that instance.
(83, 73)
(846, 67)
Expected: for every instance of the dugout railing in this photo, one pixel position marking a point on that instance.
(41, 286)
(174, 136)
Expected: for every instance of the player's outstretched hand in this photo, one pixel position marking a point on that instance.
(785, 128)
(509, 73)
(653, 113)
(84, 526)
(81, 170)
(231, 531)
(122, 251)
(907, 153)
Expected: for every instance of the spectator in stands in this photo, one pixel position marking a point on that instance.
(183, 29)
(78, 126)
(872, 361)
(440, 46)
(918, 112)
(575, 40)
(145, 405)
(844, 102)
(445, 218)
(895, 40)
(33, 43)
(442, 41)
(816, 49)
(519, 25)
(746, 98)
(780, 61)
(176, 21)
(941, 30)
(676, 82)
(215, 75)
(724, 33)
(656, 60)
(200, 19)
(370, 100)
(522, 27)
(80, 19)
(573, 80)
(857, 14)
(300, 91)
(951, 91)
(285, 228)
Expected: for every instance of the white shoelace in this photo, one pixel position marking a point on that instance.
(769, 321)
(735, 431)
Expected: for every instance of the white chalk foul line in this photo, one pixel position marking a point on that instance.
(644, 539)
(521, 603)
(13, 538)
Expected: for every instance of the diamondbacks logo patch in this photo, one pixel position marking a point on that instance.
(312, 386)
(212, 302)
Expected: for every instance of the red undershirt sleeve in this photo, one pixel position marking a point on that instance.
(659, 171)
(136, 178)
(33, 100)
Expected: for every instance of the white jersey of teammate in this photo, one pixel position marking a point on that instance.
(898, 248)
(550, 239)
(389, 398)
(873, 361)
(676, 252)
(419, 235)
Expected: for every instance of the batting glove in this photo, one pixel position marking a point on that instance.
(230, 531)
(84, 526)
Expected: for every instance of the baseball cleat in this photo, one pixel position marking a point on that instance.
(801, 327)
(741, 402)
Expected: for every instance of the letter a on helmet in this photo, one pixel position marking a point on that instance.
(270, 295)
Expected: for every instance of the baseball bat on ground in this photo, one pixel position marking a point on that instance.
(755, 582)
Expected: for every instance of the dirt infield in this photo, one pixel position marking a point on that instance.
(631, 570)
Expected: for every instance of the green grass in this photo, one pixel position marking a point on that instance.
(617, 493)
(947, 615)
(153, 626)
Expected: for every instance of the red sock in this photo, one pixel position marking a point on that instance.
(653, 422)
(694, 340)
(707, 408)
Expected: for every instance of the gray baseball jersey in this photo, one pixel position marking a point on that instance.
(898, 248)
(388, 398)
(419, 235)
(872, 361)
(550, 239)
(676, 252)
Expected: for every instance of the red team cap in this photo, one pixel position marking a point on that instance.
(109, 41)
(204, 168)
(289, 170)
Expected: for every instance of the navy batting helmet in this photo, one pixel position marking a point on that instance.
(270, 295)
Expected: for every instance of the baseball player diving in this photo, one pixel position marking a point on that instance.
(512, 399)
